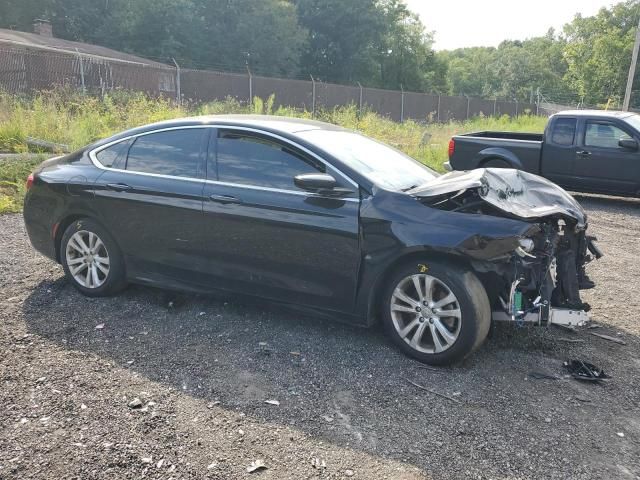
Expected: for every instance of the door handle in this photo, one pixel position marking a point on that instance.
(584, 153)
(118, 187)
(224, 199)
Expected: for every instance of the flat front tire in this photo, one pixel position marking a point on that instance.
(436, 313)
(91, 259)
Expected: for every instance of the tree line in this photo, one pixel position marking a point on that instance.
(379, 43)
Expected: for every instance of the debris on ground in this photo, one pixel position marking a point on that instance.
(100, 326)
(431, 369)
(581, 370)
(582, 399)
(542, 376)
(620, 434)
(327, 418)
(256, 465)
(317, 463)
(570, 340)
(135, 403)
(272, 402)
(609, 337)
(433, 391)
(349, 473)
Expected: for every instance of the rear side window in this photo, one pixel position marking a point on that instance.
(115, 155)
(603, 135)
(564, 131)
(252, 160)
(177, 153)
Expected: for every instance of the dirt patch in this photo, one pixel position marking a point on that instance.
(204, 368)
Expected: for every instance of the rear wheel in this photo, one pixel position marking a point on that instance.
(496, 163)
(91, 259)
(436, 313)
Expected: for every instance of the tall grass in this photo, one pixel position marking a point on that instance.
(65, 117)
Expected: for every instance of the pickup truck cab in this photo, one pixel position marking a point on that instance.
(581, 150)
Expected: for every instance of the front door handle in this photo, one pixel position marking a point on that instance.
(584, 153)
(224, 199)
(118, 187)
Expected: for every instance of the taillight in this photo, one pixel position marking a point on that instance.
(29, 181)
(452, 147)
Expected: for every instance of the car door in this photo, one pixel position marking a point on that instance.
(150, 198)
(266, 237)
(559, 151)
(602, 165)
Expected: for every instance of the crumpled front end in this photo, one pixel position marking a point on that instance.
(536, 276)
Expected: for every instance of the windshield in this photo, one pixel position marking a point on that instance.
(383, 165)
(634, 121)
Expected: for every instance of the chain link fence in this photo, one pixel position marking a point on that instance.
(28, 70)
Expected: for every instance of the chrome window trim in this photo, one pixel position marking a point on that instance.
(96, 162)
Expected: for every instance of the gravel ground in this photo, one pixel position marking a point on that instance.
(202, 369)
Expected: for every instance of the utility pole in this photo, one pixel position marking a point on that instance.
(632, 70)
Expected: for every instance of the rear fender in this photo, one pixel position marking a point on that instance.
(498, 153)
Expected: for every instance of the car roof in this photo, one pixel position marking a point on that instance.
(595, 113)
(272, 123)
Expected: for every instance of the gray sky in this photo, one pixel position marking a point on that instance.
(470, 23)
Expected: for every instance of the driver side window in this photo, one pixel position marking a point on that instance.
(603, 135)
(254, 160)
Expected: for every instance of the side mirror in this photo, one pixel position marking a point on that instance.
(315, 182)
(628, 143)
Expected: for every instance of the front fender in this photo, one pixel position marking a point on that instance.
(397, 226)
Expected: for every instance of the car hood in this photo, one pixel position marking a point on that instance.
(521, 194)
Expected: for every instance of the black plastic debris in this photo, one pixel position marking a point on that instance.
(542, 376)
(587, 372)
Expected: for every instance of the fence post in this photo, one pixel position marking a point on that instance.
(468, 105)
(84, 89)
(438, 110)
(360, 101)
(178, 91)
(495, 106)
(313, 97)
(516, 108)
(538, 101)
(401, 104)
(250, 85)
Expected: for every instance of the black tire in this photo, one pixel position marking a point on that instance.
(473, 304)
(115, 278)
(496, 163)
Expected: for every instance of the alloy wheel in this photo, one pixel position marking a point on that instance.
(87, 259)
(425, 313)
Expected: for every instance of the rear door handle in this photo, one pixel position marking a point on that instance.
(118, 187)
(224, 199)
(584, 153)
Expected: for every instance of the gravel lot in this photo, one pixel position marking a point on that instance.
(203, 368)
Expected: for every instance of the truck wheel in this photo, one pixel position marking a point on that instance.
(436, 313)
(496, 163)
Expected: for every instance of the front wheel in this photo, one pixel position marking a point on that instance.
(91, 259)
(436, 313)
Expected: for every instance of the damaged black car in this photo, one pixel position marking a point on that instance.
(313, 215)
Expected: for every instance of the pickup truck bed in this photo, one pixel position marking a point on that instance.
(582, 150)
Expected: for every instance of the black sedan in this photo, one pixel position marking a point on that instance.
(311, 214)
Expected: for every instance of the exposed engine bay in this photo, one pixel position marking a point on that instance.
(536, 277)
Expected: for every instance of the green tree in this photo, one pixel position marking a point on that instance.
(598, 52)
